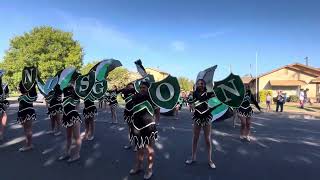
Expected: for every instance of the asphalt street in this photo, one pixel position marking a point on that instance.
(284, 146)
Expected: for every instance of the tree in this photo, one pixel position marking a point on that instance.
(87, 67)
(185, 84)
(47, 48)
(119, 77)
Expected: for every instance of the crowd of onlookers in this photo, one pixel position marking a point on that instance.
(281, 99)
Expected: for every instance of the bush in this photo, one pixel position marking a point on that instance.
(263, 95)
(293, 98)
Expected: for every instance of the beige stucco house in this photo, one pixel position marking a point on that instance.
(157, 74)
(289, 79)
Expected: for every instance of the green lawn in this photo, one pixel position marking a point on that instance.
(315, 108)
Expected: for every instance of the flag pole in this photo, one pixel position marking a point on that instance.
(257, 76)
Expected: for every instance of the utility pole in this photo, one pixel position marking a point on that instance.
(307, 61)
(257, 76)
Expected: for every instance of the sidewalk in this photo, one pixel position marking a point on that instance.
(292, 108)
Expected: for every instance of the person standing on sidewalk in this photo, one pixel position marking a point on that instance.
(301, 98)
(268, 101)
(280, 101)
(306, 99)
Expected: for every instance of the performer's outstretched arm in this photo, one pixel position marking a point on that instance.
(255, 102)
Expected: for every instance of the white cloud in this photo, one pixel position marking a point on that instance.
(178, 45)
(98, 32)
(93, 29)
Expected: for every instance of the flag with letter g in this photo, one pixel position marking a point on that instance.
(165, 93)
(230, 91)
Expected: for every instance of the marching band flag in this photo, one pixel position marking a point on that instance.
(29, 75)
(140, 68)
(149, 78)
(103, 68)
(220, 112)
(98, 90)
(207, 76)
(93, 85)
(230, 91)
(48, 86)
(66, 76)
(84, 84)
(165, 93)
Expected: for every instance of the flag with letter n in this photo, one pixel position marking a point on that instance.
(165, 93)
(230, 91)
(29, 75)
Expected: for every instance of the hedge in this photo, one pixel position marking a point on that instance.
(263, 95)
(293, 98)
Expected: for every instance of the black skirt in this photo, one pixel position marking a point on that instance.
(90, 110)
(70, 118)
(3, 106)
(127, 113)
(27, 114)
(143, 130)
(54, 110)
(245, 111)
(202, 115)
(70, 114)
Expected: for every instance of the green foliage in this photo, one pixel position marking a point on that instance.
(119, 77)
(86, 68)
(263, 95)
(185, 84)
(293, 98)
(47, 48)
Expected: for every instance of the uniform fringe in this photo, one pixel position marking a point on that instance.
(72, 121)
(27, 118)
(141, 142)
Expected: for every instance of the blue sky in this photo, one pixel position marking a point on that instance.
(181, 37)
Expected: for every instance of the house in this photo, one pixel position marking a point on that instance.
(157, 74)
(289, 79)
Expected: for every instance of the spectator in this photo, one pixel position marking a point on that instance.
(302, 98)
(306, 100)
(280, 101)
(268, 101)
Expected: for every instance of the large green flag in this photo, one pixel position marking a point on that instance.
(230, 91)
(48, 86)
(98, 90)
(104, 67)
(220, 108)
(165, 93)
(93, 85)
(29, 75)
(66, 77)
(84, 84)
